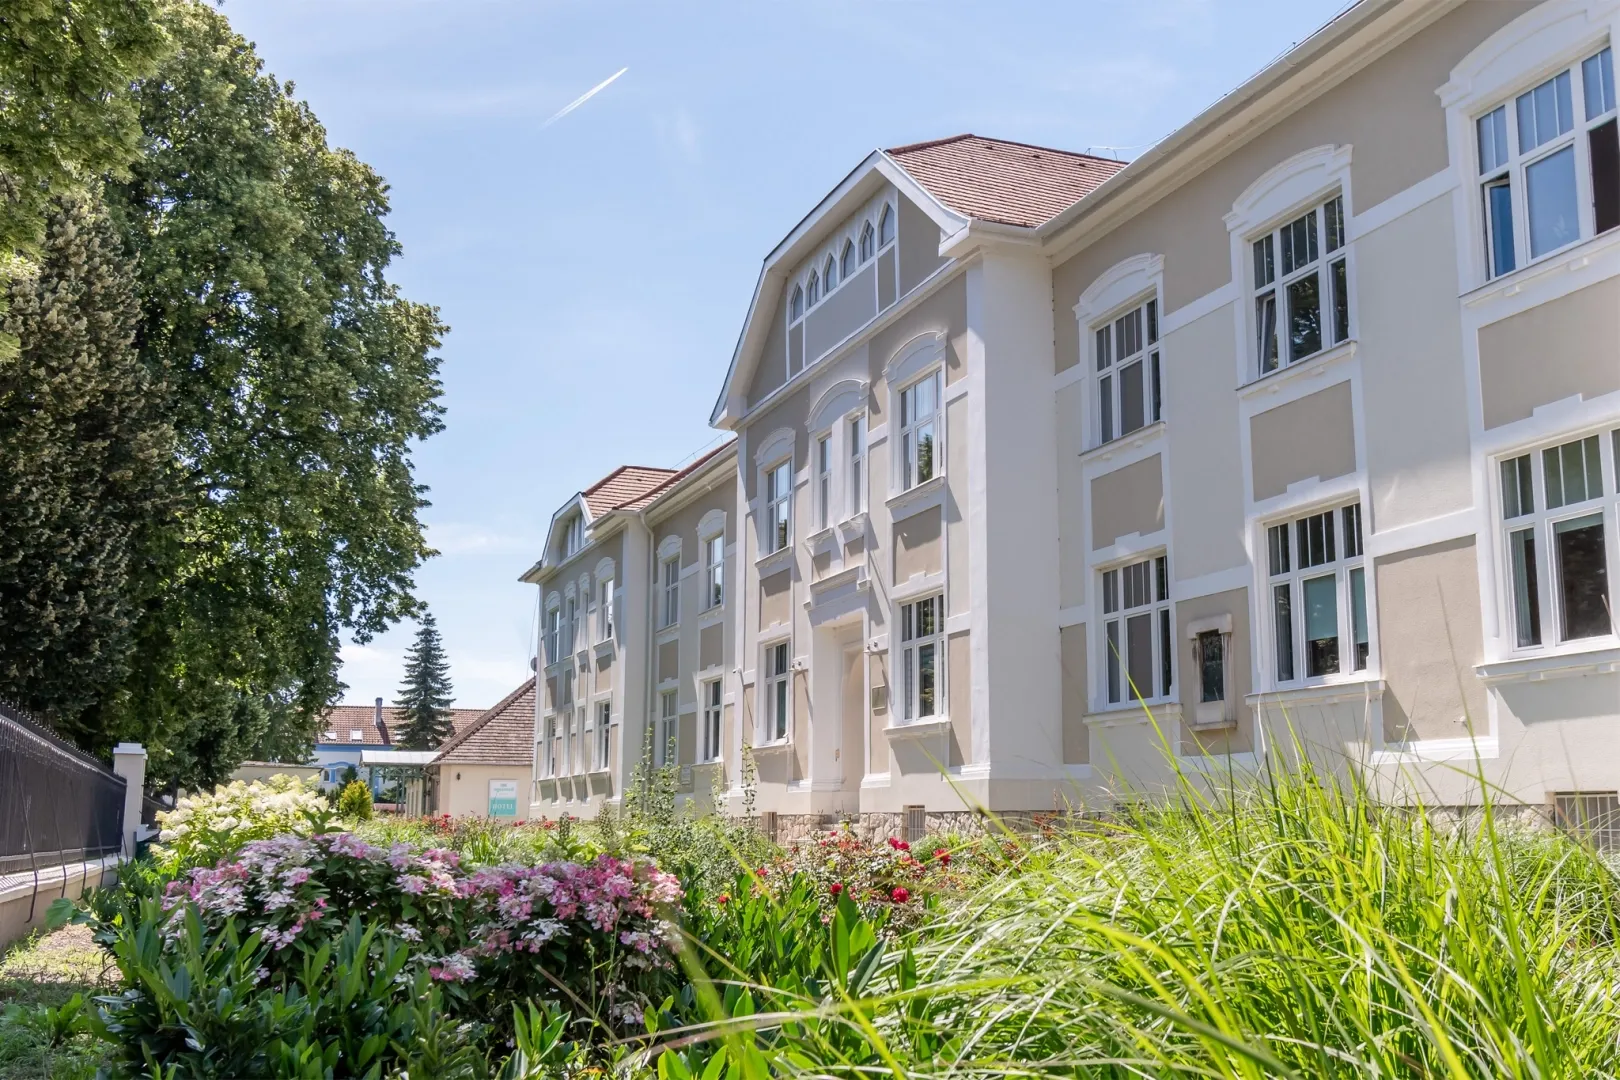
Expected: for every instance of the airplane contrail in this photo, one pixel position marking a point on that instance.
(583, 98)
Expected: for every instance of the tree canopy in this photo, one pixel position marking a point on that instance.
(425, 696)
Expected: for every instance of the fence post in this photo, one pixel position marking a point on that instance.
(129, 761)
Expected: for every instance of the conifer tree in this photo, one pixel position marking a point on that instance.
(424, 698)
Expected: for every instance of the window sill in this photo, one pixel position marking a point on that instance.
(854, 527)
(596, 774)
(821, 540)
(665, 634)
(1137, 712)
(918, 729)
(925, 496)
(772, 747)
(782, 557)
(1136, 439)
(605, 648)
(1574, 257)
(1604, 660)
(1334, 693)
(716, 614)
(1273, 382)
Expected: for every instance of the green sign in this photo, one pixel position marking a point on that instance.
(503, 798)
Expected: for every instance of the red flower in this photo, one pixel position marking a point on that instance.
(902, 846)
(943, 856)
(893, 843)
(764, 872)
(900, 894)
(723, 899)
(837, 887)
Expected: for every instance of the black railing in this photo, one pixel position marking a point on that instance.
(57, 804)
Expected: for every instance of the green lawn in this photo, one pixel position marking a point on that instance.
(44, 971)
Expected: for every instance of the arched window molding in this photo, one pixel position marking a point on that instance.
(669, 546)
(814, 291)
(915, 357)
(796, 305)
(847, 259)
(1127, 280)
(777, 445)
(1288, 186)
(837, 401)
(829, 274)
(711, 524)
(604, 570)
(866, 241)
(886, 226)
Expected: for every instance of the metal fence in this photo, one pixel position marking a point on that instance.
(57, 804)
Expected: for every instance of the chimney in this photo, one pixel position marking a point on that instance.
(382, 728)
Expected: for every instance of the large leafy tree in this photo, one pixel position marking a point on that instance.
(86, 469)
(297, 381)
(425, 696)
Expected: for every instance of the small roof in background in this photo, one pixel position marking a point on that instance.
(623, 485)
(675, 478)
(396, 757)
(340, 723)
(502, 736)
(1005, 182)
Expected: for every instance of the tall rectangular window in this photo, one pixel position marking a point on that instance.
(668, 731)
(922, 628)
(824, 481)
(604, 724)
(1318, 605)
(1555, 540)
(1301, 287)
(1534, 154)
(550, 747)
(604, 611)
(714, 571)
(669, 612)
(778, 506)
(857, 465)
(570, 623)
(553, 635)
(776, 691)
(1130, 386)
(1139, 657)
(711, 694)
(919, 419)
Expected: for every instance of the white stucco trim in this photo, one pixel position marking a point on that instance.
(1289, 185)
(839, 400)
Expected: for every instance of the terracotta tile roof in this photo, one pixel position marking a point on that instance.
(502, 735)
(675, 478)
(622, 485)
(1005, 182)
(344, 720)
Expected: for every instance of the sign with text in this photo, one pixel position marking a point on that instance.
(503, 798)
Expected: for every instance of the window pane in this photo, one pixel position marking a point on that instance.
(1597, 77)
(1139, 654)
(1278, 543)
(1493, 148)
(925, 679)
(1264, 268)
(1161, 576)
(1322, 626)
(1333, 224)
(781, 709)
(1165, 653)
(1604, 143)
(1265, 325)
(1545, 113)
(1352, 530)
(1550, 187)
(1110, 591)
(1105, 407)
(1526, 587)
(1517, 497)
(1341, 301)
(1304, 317)
(1282, 615)
(927, 624)
(925, 452)
(1573, 472)
(1156, 400)
(1211, 667)
(1299, 243)
(1111, 647)
(1103, 354)
(1499, 224)
(1152, 321)
(1358, 618)
(1131, 404)
(1582, 577)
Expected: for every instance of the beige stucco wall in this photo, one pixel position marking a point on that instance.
(1556, 350)
(1239, 738)
(917, 545)
(1314, 436)
(878, 748)
(1205, 463)
(776, 599)
(1126, 501)
(1076, 738)
(919, 246)
(711, 642)
(1388, 112)
(959, 694)
(464, 789)
(1430, 638)
(669, 664)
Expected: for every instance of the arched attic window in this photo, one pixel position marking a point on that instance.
(830, 275)
(866, 241)
(848, 260)
(796, 305)
(815, 288)
(886, 227)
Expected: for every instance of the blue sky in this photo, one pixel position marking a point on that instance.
(595, 272)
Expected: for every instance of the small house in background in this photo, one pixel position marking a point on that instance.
(485, 769)
(347, 730)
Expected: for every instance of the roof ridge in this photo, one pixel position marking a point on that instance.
(913, 147)
(930, 143)
(489, 714)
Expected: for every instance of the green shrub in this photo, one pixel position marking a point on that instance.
(202, 829)
(354, 804)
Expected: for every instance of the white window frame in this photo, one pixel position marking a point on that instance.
(1109, 339)
(812, 290)
(915, 428)
(888, 222)
(549, 740)
(855, 434)
(604, 724)
(570, 622)
(574, 536)
(669, 591)
(918, 642)
(1130, 589)
(777, 484)
(776, 691)
(822, 458)
(667, 730)
(830, 279)
(605, 610)
(1506, 163)
(796, 305)
(1270, 280)
(1285, 569)
(554, 631)
(714, 571)
(711, 700)
(868, 242)
(576, 740)
(848, 264)
(1542, 522)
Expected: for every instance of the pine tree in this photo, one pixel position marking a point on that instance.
(86, 474)
(425, 697)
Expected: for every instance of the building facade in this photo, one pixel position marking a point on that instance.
(1055, 477)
